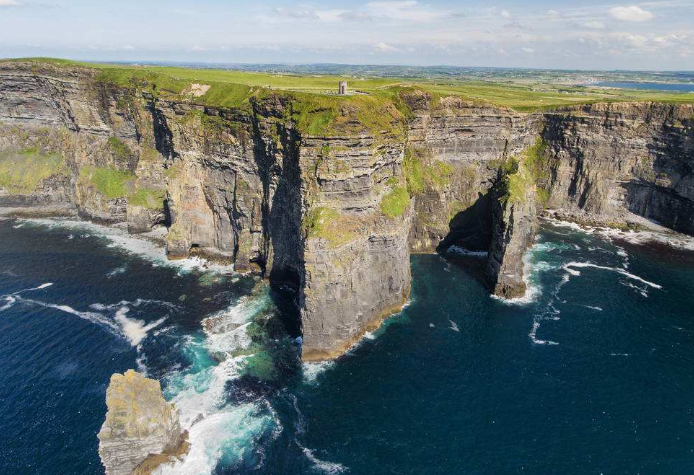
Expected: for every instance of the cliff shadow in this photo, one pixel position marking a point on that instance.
(471, 231)
(281, 210)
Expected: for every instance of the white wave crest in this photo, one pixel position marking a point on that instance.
(93, 317)
(9, 302)
(313, 370)
(148, 246)
(461, 251)
(323, 466)
(135, 330)
(568, 267)
(537, 341)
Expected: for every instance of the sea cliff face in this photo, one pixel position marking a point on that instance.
(332, 211)
(610, 162)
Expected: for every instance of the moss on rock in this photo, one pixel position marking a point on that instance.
(395, 203)
(327, 223)
(23, 172)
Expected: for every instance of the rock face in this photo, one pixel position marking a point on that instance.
(331, 212)
(514, 227)
(140, 426)
(612, 161)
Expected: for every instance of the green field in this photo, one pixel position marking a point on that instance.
(233, 88)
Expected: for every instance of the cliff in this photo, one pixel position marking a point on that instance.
(329, 195)
(612, 163)
(141, 430)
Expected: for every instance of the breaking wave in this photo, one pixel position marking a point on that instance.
(220, 431)
(148, 245)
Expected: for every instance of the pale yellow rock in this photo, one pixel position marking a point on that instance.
(139, 423)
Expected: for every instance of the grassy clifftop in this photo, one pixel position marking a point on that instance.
(317, 110)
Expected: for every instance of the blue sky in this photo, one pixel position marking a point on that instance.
(590, 35)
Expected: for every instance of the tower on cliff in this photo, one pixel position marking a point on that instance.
(342, 88)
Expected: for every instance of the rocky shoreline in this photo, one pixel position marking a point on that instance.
(335, 212)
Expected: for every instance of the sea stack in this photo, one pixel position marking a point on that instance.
(141, 430)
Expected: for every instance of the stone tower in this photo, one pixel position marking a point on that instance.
(342, 89)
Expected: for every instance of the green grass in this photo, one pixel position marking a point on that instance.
(531, 169)
(326, 223)
(235, 88)
(23, 172)
(422, 173)
(395, 203)
(120, 150)
(114, 184)
(107, 181)
(148, 198)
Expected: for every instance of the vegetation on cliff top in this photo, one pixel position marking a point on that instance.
(235, 88)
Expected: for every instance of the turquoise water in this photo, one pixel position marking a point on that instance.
(592, 374)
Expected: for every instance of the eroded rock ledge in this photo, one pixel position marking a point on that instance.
(141, 431)
(330, 200)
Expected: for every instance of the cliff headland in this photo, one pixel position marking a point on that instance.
(330, 194)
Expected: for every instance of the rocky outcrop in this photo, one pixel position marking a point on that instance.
(514, 227)
(329, 196)
(141, 430)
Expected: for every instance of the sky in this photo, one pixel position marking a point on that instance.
(593, 34)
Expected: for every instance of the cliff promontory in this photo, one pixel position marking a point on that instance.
(329, 195)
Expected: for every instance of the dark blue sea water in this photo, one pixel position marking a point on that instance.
(591, 374)
(658, 86)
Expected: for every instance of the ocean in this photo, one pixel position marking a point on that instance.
(590, 373)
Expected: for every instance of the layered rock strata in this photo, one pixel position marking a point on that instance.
(333, 212)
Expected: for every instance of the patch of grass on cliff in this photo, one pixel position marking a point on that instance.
(420, 175)
(527, 172)
(395, 203)
(23, 172)
(119, 148)
(149, 198)
(517, 185)
(107, 181)
(326, 223)
(413, 169)
(536, 160)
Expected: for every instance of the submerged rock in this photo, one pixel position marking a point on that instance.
(141, 430)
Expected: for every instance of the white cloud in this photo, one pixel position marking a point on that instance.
(296, 13)
(408, 10)
(594, 25)
(9, 3)
(553, 14)
(385, 48)
(632, 13)
(528, 50)
(505, 14)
